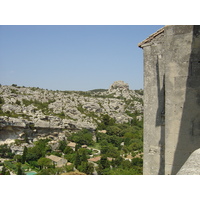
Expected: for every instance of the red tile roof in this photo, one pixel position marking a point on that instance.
(95, 159)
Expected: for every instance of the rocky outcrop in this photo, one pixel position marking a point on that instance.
(119, 85)
(121, 89)
(34, 108)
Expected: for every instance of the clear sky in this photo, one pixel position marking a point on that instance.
(72, 57)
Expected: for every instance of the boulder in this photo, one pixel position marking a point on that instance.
(17, 122)
(42, 124)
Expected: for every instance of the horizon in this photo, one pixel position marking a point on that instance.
(23, 86)
(72, 57)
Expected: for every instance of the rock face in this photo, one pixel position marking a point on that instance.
(119, 85)
(34, 109)
(120, 89)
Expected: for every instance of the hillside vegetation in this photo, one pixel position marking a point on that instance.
(95, 132)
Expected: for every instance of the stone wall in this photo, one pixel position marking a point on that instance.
(153, 105)
(171, 98)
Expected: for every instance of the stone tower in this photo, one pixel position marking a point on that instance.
(171, 98)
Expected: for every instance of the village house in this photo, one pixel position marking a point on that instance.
(95, 159)
(69, 163)
(72, 145)
(128, 157)
(102, 131)
(58, 161)
(53, 144)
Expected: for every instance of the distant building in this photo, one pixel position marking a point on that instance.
(102, 131)
(58, 161)
(95, 159)
(72, 145)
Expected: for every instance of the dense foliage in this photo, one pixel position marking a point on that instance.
(120, 149)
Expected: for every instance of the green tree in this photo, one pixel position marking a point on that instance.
(5, 151)
(3, 172)
(82, 137)
(7, 172)
(104, 146)
(44, 162)
(82, 167)
(48, 171)
(23, 158)
(62, 145)
(68, 150)
(115, 140)
(86, 167)
(39, 150)
(101, 136)
(90, 168)
(33, 154)
(69, 168)
(125, 164)
(77, 161)
(26, 138)
(83, 155)
(2, 101)
(104, 162)
(117, 161)
(18, 158)
(99, 169)
(18, 102)
(113, 130)
(108, 149)
(19, 169)
(137, 162)
(112, 151)
(136, 144)
(105, 122)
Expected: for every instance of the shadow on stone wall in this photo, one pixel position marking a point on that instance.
(189, 133)
(160, 115)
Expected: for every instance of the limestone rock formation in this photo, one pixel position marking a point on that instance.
(119, 85)
(33, 109)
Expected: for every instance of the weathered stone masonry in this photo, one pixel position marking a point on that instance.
(171, 98)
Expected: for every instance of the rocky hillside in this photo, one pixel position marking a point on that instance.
(34, 108)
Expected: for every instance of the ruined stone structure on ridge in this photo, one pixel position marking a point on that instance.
(172, 100)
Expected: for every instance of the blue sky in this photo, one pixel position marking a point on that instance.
(72, 57)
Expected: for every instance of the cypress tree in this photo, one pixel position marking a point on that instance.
(19, 169)
(24, 155)
(77, 160)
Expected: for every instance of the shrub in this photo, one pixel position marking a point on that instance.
(18, 102)
(83, 136)
(2, 100)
